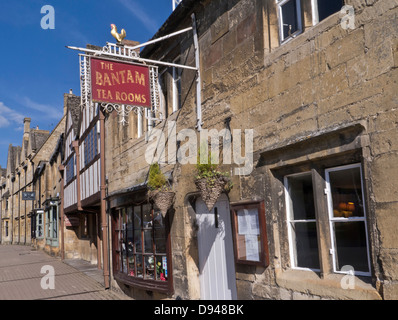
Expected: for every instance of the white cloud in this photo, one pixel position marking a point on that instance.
(149, 23)
(48, 111)
(7, 116)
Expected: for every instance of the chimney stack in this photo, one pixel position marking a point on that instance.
(26, 125)
(66, 96)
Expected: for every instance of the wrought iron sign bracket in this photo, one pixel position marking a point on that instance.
(131, 53)
(122, 109)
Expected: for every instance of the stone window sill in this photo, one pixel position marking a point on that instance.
(310, 282)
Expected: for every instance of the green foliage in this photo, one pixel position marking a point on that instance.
(157, 180)
(209, 170)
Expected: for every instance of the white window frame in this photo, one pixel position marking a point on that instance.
(40, 213)
(162, 98)
(341, 219)
(176, 75)
(52, 225)
(139, 123)
(279, 4)
(289, 216)
(315, 12)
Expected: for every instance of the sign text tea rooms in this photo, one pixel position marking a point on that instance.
(120, 83)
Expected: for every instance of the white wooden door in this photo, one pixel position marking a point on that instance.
(216, 254)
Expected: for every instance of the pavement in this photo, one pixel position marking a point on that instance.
(26, 274)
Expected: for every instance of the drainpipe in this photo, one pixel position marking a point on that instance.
(26, 221)
(12, 209)
(33, 216)
(199, 122)
(104, 221)
(97, 223)
(1, 213)
(75, 145)
(61, 169)
(19, 207)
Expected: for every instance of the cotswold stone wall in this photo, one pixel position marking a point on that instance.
(326, 79)
(327, 93)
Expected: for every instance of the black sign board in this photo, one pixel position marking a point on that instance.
(28, 195)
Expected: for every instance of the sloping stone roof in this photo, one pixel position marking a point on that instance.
(3, 172)
(37, 138)
(13, 156)
(25, 148)
(73, 105)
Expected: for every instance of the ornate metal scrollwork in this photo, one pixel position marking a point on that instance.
(122, 110)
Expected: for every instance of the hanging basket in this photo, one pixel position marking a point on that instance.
(211, 191)
(163, 200)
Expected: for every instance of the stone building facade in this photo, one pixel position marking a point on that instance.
(16, 212)
(320, 98)
(301, 97)
(80, 194)
(46, 182)
(31, 168)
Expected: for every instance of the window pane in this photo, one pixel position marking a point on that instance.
(158, 220)
(137, 241)
(328, 7)
(160, 240)
(147, 216)
(129, 215)
(48, 223)
(302, 197)
(137, 218)
(130, 240)
(39, 231)
(161, 268)
(138, 261)
(131, 269)
(350, 239)
(148, 241)
(149, 267)
(346, 191)
(305, 235)
(123, 257)
(159, 232)
(130, 232)
(54, 223)
(289, 18)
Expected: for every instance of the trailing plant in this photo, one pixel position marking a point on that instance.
(209, 170)
(209, 180)
(159, 189)
(157, 180)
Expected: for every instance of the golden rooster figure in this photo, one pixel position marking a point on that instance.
(117, 36)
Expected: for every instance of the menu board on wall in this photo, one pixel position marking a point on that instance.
(249, 234)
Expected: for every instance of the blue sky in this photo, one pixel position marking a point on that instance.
(35, 67)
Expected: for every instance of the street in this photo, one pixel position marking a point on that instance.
(25, 275)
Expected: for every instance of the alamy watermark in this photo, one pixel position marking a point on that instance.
(182, 147)
(48, 20)
(348, 17)
(48, 280)
(348, 281)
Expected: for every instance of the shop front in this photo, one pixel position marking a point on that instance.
(141, 245)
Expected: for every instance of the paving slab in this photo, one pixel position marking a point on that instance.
(25, 275)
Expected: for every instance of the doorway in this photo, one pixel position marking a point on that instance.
(216, 254)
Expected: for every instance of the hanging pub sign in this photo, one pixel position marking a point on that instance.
(27, 195)
(120, 83)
